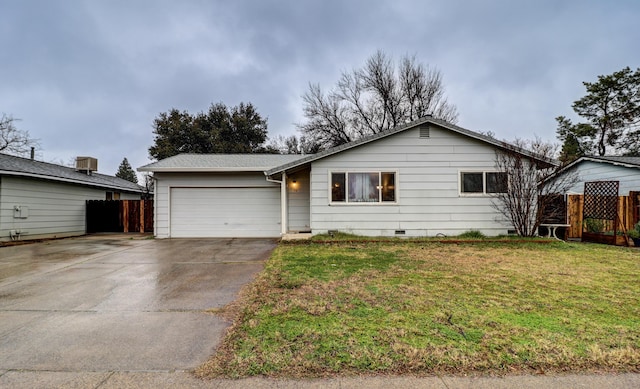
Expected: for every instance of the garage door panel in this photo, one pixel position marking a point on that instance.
(234, 194)
(251, 209)
(225, 212)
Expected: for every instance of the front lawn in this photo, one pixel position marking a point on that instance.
(430, 308)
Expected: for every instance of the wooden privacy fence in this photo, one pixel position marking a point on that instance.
(628, 214)
(119, 216)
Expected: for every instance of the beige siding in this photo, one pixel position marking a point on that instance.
(54, 209)
(298, 201)
(428, 197)
(166, 181)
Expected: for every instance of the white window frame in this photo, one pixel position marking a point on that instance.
(368, 204)
(484, 183)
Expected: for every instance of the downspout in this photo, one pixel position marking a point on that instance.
(283, 201)
(155, 208)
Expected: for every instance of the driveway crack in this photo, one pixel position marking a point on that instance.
(101, 383)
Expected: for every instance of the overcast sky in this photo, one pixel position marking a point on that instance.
(89, 77)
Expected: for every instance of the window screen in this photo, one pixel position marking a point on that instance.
(472, 183)
(496, 182)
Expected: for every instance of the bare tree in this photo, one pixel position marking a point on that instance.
(373, 99)
(327, 118)
(294, 145)
(532, 186)
(149, 186)
(12, 140)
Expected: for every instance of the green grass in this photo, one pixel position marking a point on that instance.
(473, 234)
(427, 308)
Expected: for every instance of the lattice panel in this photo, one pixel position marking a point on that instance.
(601, 200)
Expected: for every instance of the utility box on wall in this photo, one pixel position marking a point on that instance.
(20, 212)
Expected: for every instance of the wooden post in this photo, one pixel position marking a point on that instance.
(634, 207)
(574, 213)
(141, 210)
(623, 211)
(125, 215)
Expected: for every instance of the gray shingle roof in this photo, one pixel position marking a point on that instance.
(219, 162)
(421, 121)
(624, 160)
(17, 166)
(630, 162)
(276, 163)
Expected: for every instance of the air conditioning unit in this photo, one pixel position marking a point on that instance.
(86, 164)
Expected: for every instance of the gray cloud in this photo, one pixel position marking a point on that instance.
(89, 77)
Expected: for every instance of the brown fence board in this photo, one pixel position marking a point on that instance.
(119, 216)
(148, 216)
(574, 210)
(628, 212)
(634, 205)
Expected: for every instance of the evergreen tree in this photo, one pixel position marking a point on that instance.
(126, 172)
(238, 129)
(611, 109)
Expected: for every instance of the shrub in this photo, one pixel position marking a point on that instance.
(472, 234)
(635, 232)
(594, 225)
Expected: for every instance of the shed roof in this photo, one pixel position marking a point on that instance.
(630, 162)
(18, 166)
(219, 162)
(627, 161)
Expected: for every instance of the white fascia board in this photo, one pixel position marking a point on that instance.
(201, 169)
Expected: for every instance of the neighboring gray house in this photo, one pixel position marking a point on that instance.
(425, 178)
(43, 200)
(626, 170)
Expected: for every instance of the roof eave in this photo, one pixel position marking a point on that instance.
(201, 169)
(495, 142)
(346, 146)
(384, 134)
(68, 180)
(590, 159)
(603, 160)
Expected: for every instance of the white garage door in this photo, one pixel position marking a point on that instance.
(225, 212)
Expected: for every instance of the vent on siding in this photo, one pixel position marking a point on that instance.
(400, 232)
(424, 132)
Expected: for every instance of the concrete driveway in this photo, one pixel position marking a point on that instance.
(112, 303)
